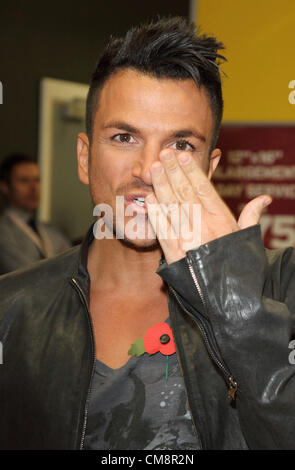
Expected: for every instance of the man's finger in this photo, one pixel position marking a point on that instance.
(162, 187)
(164, 231)
(205, 192)
(179, 183)
(157, 214)
(251, 213)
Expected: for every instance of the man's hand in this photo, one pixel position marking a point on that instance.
(179, 181)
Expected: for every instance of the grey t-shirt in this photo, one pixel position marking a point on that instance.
(136, 407)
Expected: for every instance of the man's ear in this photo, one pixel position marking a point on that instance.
(213, 162)
(83, 157)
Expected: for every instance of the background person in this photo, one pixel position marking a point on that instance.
(24, 239)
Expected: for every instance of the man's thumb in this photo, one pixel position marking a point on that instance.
(251, 213)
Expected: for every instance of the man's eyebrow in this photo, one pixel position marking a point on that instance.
(181, 134)
(122, 126)
(189, 133)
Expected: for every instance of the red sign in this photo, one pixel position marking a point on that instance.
(260, 160)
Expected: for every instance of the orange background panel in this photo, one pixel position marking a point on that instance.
(259, 36)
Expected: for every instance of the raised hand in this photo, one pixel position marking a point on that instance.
(178, 181)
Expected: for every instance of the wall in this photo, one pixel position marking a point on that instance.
(58, 39)
(258, 155)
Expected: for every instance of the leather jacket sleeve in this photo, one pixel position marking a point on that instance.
(247, 296)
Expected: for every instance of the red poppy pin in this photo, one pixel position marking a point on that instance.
(158, 338)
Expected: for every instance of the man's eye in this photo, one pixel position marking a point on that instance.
(183, 145)
(124, 138)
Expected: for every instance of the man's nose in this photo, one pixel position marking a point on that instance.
(145, 158)
(35, 186)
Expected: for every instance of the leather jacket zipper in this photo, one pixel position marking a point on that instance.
(192, 416)
(232, 384)
(84, 301)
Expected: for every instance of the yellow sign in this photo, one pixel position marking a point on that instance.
(259, 36)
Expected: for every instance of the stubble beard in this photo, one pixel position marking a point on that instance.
(138, 244)
(118, 230)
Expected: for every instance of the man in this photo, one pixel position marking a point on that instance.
(74, 373)
(24, 239)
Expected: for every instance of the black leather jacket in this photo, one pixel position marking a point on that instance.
(232, 309)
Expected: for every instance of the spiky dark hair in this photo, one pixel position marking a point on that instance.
(165, 48)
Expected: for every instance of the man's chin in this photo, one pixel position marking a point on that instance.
(141, 244)
(140, 236)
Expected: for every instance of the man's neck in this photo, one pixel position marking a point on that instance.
(127, 297)
(113, 264)
(22, 213)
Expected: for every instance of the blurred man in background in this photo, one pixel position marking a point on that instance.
(24, 239)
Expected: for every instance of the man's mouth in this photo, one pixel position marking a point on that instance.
(137, 200)
(140, 201)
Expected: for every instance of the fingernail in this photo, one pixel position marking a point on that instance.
(167, 156)
(150, 199)
(184, 158)
(267, 201)
(157, 168)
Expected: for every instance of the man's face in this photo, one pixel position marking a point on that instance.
(23, 191)
(137, 117)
